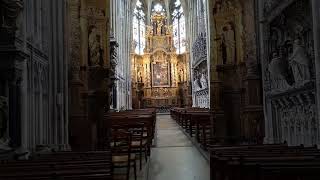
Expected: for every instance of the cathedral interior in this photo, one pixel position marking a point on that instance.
(159, 89)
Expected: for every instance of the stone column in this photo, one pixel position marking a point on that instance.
(262, 29)
(316, 30)
(83, 39)
(216, 87)
(11, 69)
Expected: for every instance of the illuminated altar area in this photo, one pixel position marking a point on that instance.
(160, 72)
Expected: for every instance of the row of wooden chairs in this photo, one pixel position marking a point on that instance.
(196, 122)
(264, 162)
(132, 135)
(59, 165)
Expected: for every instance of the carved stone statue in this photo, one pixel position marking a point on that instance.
(300, 63)
(94, 47)
(278, 69)
(196, 85)
(204, 82)
(229, 43)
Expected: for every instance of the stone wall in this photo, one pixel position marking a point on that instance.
(36, 85)
(289, 62)
(235, 91)
(90, 72)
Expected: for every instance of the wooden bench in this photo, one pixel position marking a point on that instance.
(130, 121)
(195, 121)
(61, 165)
(265, 162)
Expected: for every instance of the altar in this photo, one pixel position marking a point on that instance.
(160, 74)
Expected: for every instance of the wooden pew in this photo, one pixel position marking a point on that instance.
(265, 162)
(61, 165)
(146, 117)
(195, 121)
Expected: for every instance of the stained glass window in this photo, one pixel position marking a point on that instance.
(139, 28)
(179, 28)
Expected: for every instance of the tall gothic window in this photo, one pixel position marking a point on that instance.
(179, 28)
(139, 28)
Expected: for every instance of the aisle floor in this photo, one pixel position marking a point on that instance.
(174, 157)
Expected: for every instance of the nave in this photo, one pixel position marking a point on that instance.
(174, 156)
(82, 83)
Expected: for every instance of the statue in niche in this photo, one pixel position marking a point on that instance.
(196, 83)
(300, 63)
(203, 81)
(139, 77)
(181, 75)
(278, 69)
(94, 48)
(159, 28)
(4, 141)
(228, 44)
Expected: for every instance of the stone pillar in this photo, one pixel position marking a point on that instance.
(83, 40)
(216, 87)
(11, 69)
(262, 29)
(75, 84)
(252, 119)
(316, 30)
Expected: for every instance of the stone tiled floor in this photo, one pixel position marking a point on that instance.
(174, 157)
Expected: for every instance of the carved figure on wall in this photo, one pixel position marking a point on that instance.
(159, 28)
(228, 43)
(278, 69)
(181, 75)
(204, 82)
(139, 76)
(300, 63)
(196, 84)
(155, 27)
(94, 47)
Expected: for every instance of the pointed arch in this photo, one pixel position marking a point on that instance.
(179, 27)
(139, 28)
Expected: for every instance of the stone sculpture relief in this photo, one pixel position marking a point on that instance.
(289, 40)
(223, 6)
(297, 119)
(278, 69)
(300, 63)
(229, 32)
(199, 49)
(204, 81)
(94, 47)
(196, 84)
(289, 73)
(228, 44)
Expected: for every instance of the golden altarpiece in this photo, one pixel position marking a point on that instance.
(160, 77)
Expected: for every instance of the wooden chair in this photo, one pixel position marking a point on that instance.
(121, 148)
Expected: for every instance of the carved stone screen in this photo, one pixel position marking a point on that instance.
(160, 75)
(289, 78)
